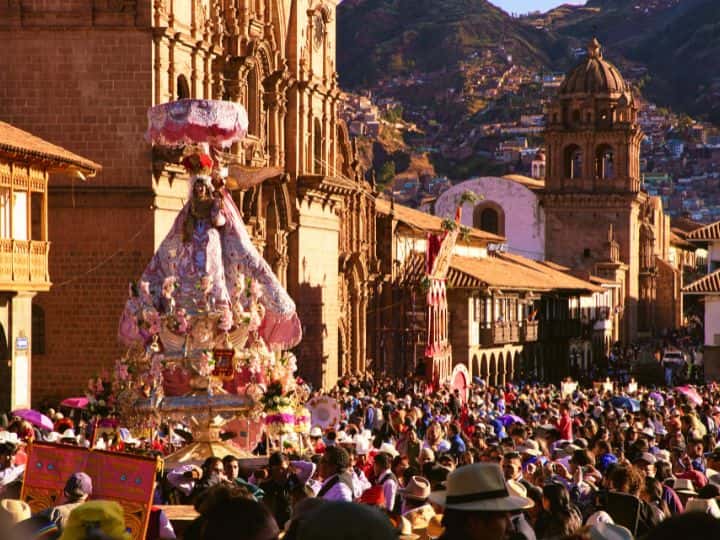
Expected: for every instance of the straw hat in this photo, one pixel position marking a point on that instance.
(406, 530)
(316, 432)
(417, 489)
(706, 506)
(362, 446)
(609, 531)
(684, 486)
(15, 509)
(529, 447)
(69, 435)
(480, 486)
(387, 448)
(52, 437)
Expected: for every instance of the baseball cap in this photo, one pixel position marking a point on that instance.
(78, 485)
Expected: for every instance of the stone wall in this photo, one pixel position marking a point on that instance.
(313, 283)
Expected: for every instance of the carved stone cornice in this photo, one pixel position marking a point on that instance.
(584, 200)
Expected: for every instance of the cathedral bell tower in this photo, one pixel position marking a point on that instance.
(593, 174)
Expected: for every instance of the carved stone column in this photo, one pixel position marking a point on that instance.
(355, 300)
(362, 329)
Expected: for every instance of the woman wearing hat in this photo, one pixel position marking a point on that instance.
(477, 503)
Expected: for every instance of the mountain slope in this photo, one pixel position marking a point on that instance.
(384, 38)
(677, 40)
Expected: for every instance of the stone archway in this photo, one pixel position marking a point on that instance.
(355, 306)
(475, 366)
(492, 374)
(500, 380)
(484, 368)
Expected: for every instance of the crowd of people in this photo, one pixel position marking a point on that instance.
(517, 461)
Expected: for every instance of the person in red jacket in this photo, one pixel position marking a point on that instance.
(565, 423)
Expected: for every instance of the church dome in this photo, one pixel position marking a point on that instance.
(594, 75)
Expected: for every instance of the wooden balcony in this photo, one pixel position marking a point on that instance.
(499, 334)
(530, 331)
(24, 265)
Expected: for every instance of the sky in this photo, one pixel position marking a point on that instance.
(524, 6)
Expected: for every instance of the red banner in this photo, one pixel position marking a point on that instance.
(124, 478)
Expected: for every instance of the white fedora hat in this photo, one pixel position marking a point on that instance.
(609, 531)
(362, 446)
(418, 489)
(479, 487)
(706, 506)
(387, 448)
(530, 447)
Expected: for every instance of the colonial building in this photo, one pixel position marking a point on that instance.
(598, 219)
(507, 316)
(26, 162)
(707, 288)
(83, 74)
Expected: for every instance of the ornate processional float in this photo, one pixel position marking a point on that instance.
(208, 326)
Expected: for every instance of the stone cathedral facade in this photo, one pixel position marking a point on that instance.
(82, 74)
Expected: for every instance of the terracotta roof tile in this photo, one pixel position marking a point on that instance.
(427, 222)
(685, 224)
(709, 284)
(679, 241)
(708, 232)
(506, 271)
(16, 141)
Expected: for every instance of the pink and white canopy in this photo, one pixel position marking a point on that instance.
(193, 121)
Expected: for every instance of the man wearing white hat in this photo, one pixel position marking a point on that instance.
(360, 483)
(477, 503)
(415, 506)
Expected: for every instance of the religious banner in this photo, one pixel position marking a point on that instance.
(567, 388)
(127, 479)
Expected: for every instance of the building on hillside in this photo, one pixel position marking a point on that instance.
(509, 207)
(84, 74)
(598, 219)
(26, 163)
(509, 317)
(707, 288)
(537, 166)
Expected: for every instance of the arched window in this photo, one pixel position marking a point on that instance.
(183, 88)
(37, 337)
(576, 116)
(573, 162)
(604, 162)
(489, 216)
(317, 147)
(489, 220)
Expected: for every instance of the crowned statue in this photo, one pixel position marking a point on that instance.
(208, 325)
(207, 289)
